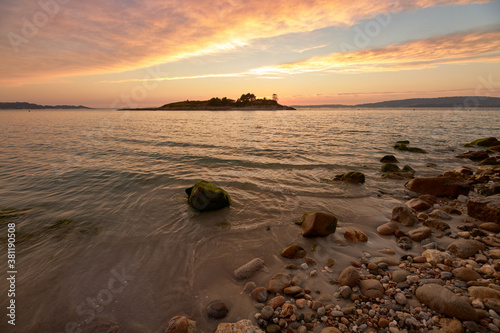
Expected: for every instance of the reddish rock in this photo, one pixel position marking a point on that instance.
(474, 155)
(466, 274)
(388, 228)
(355, 235)
(349, 277)
(438, 186)
(420, 234)
(259, 294)
(180, 324)
(371, 288)
(276, 302)
(418, 204)
(484, 208)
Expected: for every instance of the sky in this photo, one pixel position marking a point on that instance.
(133, 53)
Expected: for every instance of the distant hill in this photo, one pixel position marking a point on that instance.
(465, 102)
(31, 106)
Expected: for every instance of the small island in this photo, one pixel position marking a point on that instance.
(245, 102)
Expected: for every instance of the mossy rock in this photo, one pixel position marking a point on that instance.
(489, 161)
(403, 146)
(486, 142)
(408, 168)
(390, 167)
(353, 177)
(389, 159)
(303, 218)
(205, 196)
(404, 142)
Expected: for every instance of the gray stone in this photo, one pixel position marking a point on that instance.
(465, 248)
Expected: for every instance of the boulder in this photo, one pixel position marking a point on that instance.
(465, 248)
(477, 155)
(294, 251)
(371, 288)
(217, 310)
(390, 167)
(486, 209)
(451, 325)
(404, 215)
(319, 224)
(490, 161)
(180, 324)
(490, 226)
(485, 142)
(242, 326)
(349, 277)
(353, 177)
(278, 282)
(438, 186)
(420, 234)
(446, 302)
(205, 196)
(389, 159)
(355, 235)
(400, 275)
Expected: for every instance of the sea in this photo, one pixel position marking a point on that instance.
(105, 239)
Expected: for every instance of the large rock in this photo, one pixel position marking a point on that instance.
(486, 142)
(446, 302)
(349, 277)
(180, 324)
(371, 288)
(319, 224)
(389, 159)
(465, 248)
(278, 282)
(204, 196)
(242, 326)
(420, 234)
(485, 208)
(404, 215)
(474, 155)
(353, 177)
(438, 186)
(403, 145)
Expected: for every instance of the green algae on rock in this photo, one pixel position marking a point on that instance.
(403, 145)
(389, 159)
(353, 177)
(485, 142)
(205, 196)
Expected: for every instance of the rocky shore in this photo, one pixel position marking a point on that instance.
(447, 282)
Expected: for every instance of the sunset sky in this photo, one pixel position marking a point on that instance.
(147, 53)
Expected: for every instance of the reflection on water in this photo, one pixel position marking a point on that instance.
(117, 181)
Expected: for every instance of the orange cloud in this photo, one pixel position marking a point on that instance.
(481, 46)
(95, 37)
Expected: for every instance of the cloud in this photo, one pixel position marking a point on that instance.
(482, 46)
(54, 40)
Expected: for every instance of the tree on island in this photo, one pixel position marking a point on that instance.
(245, 98)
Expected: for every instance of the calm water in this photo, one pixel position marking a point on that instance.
(120, 178)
